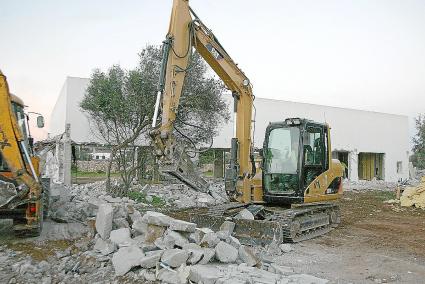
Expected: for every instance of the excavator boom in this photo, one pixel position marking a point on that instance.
(186, 31)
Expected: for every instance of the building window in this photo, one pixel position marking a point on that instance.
(399, 167)
(97, 157)
(103, 157)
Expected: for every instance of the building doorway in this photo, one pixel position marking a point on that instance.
(342, 156)
(371, 165)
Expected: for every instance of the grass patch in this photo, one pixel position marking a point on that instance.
(93, 174)
(42, 251)
(141, 197)
(384, 195)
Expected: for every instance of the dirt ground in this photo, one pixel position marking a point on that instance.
(375, 243)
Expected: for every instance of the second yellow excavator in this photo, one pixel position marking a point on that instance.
(289, 194)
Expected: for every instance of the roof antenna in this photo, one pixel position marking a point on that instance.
(324, 116)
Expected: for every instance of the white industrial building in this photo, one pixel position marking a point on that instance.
(371, 144)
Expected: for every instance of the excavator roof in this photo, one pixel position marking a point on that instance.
(17, 100)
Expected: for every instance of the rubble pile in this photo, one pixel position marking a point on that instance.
(181, 196)
(158, 247)
(414, 196)
(121, 240)
(374, 184)
(81, 202)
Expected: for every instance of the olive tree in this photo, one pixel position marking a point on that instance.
(120, 104)
(418, 157)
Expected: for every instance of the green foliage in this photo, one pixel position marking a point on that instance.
(207, 157)
(141, 197)
(120, 105)
(418, 157)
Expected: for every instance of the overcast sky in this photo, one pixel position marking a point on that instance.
(361, 54)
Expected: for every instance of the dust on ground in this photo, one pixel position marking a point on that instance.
(375, 243)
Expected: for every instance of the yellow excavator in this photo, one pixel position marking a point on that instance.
(290, 193)
(22, 192)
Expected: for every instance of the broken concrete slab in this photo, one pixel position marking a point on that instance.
(199, 234)
(153, 232)
(228, 226)
(119, 223)
(156, 218)
(234, 242)
(208, 255)
(125, 259)
(226, 253)
(140, 226)
(174, 257)
(209, 240)
(165, 242)
(179, 238)
(195, 252)
(105, 247)
(183, 226)
(178, 276)
(285, 248)
(150, 260)
(245, 214)
(206, 274)
(104, 220)
(120, 236)
(247, 256)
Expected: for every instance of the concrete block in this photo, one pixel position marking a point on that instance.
(156, 218)
(125, 259)
(247, 256)
(206, 274)
(234, 242)
(179, 225)
(165, 242)
(285, 248)
(195, 252)
(208, 255)
(104, 247)
(199, 233)
(151, 259)
(179, 238)
(223, 235)
(226, 253)
(120, 236)
(178, 276)
(153, 232)
(245, 214)
(228, 226)
(104, 218)
(210, 240)
(174, 257)
(118, 223)
(140, 226)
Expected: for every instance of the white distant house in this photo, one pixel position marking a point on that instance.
(100, 156)
(371, 144)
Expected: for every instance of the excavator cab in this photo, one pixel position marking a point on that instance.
(296, 158)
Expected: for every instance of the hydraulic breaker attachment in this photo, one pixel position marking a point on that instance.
(181, 167)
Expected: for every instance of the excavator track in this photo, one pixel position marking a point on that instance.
(306, 222)
(271, 224)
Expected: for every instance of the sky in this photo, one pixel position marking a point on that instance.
(363, 54)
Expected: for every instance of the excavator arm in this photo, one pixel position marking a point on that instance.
(186, 31)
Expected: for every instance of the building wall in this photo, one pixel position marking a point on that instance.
(67, 110)
(354, 131)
